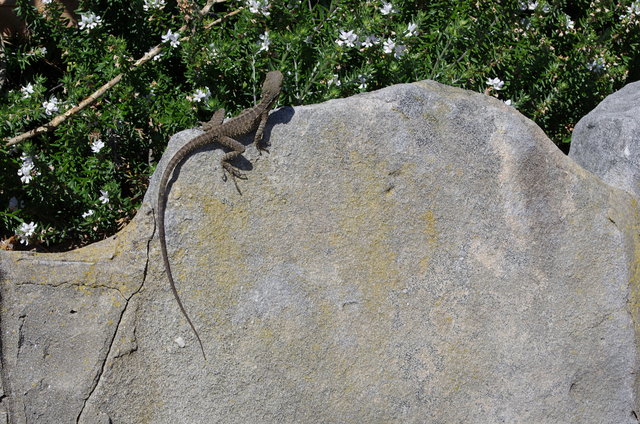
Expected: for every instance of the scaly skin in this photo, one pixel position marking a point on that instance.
(225, 134)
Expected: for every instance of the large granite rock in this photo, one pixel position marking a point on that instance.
(415, 254)
(607, 140)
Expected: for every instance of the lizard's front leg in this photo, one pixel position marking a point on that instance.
(257, 140)
(216, 120)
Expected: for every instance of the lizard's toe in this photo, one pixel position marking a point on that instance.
(234, 172)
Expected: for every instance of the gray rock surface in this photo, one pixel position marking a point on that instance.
(418, 254)
(607, 140)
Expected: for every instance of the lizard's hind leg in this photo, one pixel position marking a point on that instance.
(237, 149)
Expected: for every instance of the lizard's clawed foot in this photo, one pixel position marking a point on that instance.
(232, 171)
(235, 175)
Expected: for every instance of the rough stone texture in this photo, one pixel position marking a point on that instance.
(607, 140)
(416, 254)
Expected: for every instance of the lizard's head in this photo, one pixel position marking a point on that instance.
(272, 84)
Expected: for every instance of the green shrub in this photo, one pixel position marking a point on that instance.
(83, 180)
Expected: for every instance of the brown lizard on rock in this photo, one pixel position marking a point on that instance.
(225, 134)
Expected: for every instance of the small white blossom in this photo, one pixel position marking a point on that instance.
(634, 9)
(26, 159)
(507, 102)
(201, 94)
(598, 66)
(25, 174)
(26, 231)
(87, 213)
(97, 145)
(172, 38)
(531, 5)
(264, 42)
(347, 38)
(370, 40)
(259, 6)
(399, 51)
(335, 80)
(89, 21)
(363, 82)
(27, 171)
(47, 1)
(27, 90)
(153, 4)
(388, 46)
(568, 22)
(496, 83)
(51, 106)
(411, 30)
(43, 51)
(387, 8)
(104, 198)
(213, 51)
(158, 56)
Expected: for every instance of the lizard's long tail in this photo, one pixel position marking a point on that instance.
(162, 202)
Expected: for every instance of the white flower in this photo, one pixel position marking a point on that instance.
(47, 1)
(399, 51)
(335, 80)
(347, 38)
(363, 82)
(213, 51)
(569, 23)
(153, 4)
(27, 90)
(254, 6)
(507, 102)
(25, 174)
(387, 8)
(27, 170)
(89, 21)
(598, 66)
(259, 6)
(25, 158)
(370, 40)
(158, 56)
(104, 198)
(496, 83)
(264, 42)
(388, 46)
(172, 38)
(51, 106)
(87, 213)
(97, 145)
(634, 9)
(201, 94)
(411, 30)
(25, 231)
(531, 5)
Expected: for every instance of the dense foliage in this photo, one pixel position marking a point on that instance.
(81, 181)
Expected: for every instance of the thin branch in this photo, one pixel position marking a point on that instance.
(99, 92)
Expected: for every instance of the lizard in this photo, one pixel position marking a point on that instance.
(224, 134)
